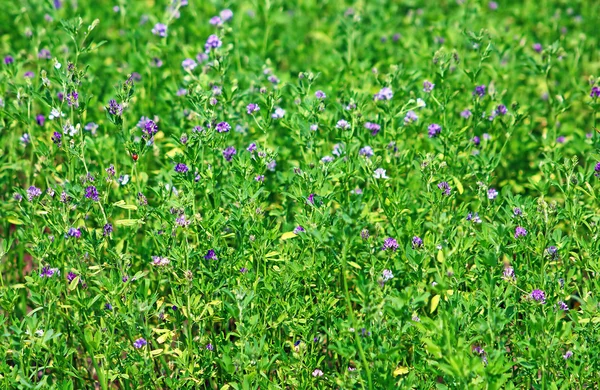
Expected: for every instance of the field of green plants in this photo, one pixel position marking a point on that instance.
(310, 194)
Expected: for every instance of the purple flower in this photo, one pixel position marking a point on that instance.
(298, 229)
(8, 60)
(417, 242)
(373, 127)
(390, 244)
(91, 193)
(278, 113)
(428, 86)
(201, 57)
(210, 347)
(520, 232)
(40, 119)
(492, 193)
(561, 139)
(229, 152)
(107, 229)
(314, 127)
(271, 165)
(476, 140)
(501, 109)
(215, 21)
(479, 91)
(260, 178)
(538, 295)
(251, 148)
(563, 306)
(466, 113)
(387, 275)
(44, 54)
(33, 192)
(226, 14)
(189, 64)
(71, 276)
(552, 252)
(252, 107)
(211, 255)
(317, 373)
(595, 92)
(384, 94)
(160, 261)
(139, 343)
(74, 232)
(48, 272)
(29, 75)
(342, 124)
(181, 168)
(56, 138)
(213, 42)
(310, 199)
(410, 117)
(114, 108)
(91, 127)
(493, 5)
(157, 62)
(434, 130)
(223, 127)
(567, 355)
(108, 307)
(160, 30)
(380, 173)
(445, 187)
(508, 273)
(320, 95)
(364, 234)
(517, 212)
(537, 47)
(367, 151)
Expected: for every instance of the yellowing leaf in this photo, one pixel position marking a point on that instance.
(123, 205)
(271, 254)
(14, 221)
(288, 235)
(458, 185)
(434, 303)
(156, 352)
(440, 256)
(173, 152)
(73, 283)
(401, 371)
(353, 264)
(126, 222)
(163, 338)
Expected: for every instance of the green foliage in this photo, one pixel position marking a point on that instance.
(430, 221)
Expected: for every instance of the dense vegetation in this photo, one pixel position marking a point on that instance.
(299, 194)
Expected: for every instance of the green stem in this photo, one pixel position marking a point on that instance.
(361, 351)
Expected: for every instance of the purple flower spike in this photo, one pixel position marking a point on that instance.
(479, 91)
(140, 343)
(181, 168)
(538, 295)
(520, 232)
(229, 152)
(390, 244)
(211, 255)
